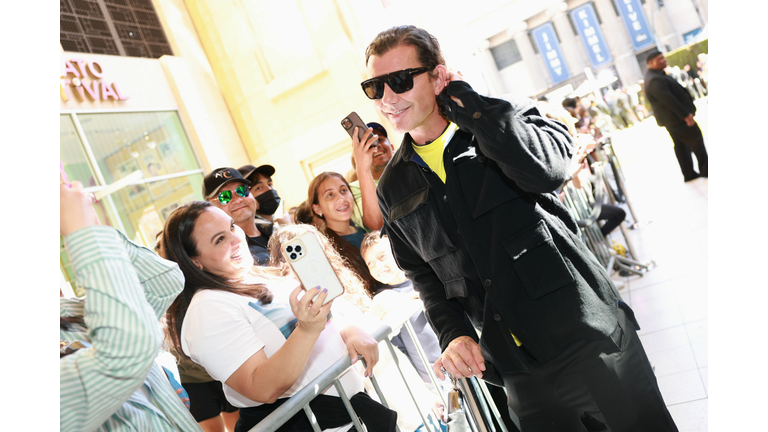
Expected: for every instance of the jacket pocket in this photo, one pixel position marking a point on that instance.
(537, 261)
(493, 193)
(456, 288)
(484, 185)
(417, 220)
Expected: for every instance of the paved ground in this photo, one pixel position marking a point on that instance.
(670, 301)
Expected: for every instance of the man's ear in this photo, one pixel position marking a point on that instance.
(441, 80)
(197, 263)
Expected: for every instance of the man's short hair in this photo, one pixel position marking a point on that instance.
(569, 103)
(369, 240)
(652, 55)
(427, 47)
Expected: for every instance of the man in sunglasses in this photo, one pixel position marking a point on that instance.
(228, 190)
(468, 207)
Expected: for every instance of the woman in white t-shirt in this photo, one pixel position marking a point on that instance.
(251, 328)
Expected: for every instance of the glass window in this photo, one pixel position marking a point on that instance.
(154, 143)
(506, 54)
(77, 168)
(73, 155)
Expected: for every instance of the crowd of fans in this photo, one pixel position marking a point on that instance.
(244, 334)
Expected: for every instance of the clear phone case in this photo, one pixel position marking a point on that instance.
(308, 260)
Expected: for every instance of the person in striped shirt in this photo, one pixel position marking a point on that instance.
(108, 376)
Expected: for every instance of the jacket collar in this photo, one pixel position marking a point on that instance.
(406, 152)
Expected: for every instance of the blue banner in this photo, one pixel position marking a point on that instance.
(589, 29)
(549, 47)
(634, 20)
(690, 37)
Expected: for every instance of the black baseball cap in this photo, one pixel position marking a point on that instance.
(249, 170)
(379, 128)
(217, 178)
(652, 55)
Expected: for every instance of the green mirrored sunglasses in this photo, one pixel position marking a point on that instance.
(226, 196)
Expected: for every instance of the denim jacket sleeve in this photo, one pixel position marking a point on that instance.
(531, 149)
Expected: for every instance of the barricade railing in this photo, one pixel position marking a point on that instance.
(478, 403)
(585, 206)
(606, 153)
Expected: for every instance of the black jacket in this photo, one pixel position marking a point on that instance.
(671, 103)
(494, 242)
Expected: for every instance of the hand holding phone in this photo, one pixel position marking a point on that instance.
(353, 120)
(307, 258)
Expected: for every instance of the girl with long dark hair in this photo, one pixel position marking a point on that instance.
(252, 329)
(332, 201)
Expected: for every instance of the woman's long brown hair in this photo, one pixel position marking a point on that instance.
(179, 247)
(354, 289)
(343, 247)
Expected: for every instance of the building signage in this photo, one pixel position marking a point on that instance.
(84, 80)
(634, 20)
(589, 29)
(690, 37)
(549, 47)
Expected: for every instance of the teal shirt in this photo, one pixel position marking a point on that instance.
(355, 239)
(128, 288)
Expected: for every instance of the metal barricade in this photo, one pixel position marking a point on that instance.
(585, 206)
(615, 185)
(478, 402)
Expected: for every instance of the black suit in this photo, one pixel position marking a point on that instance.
(671, 104)
(494, 244)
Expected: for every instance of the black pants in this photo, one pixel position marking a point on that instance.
(207, 400)
(329, 412)
(689, 140)
(613, 217)
(610, 379)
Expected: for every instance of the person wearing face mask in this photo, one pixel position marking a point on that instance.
(265, 194)
(228, 190)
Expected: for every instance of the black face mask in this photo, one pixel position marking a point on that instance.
(268, 202)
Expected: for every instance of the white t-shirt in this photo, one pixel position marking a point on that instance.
(222, 330)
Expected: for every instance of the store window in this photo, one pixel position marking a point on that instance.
(99, 149)
(506, 54)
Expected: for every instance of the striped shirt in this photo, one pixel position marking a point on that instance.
(116, 384)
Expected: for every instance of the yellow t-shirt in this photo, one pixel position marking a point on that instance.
(432, 153)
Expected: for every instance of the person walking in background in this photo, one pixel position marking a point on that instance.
(673, 108)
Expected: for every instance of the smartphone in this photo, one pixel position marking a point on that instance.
(349, 122)
(307, 258)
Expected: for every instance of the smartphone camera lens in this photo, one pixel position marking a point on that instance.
(298, 248)
(293, 256)
(289, 249)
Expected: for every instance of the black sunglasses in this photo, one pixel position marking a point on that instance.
(399, 82)
(226, 196)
